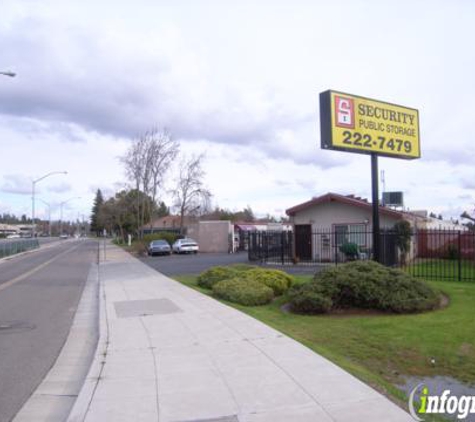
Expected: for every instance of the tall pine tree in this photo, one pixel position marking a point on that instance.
(97, 225)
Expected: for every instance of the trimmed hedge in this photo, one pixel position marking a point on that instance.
(244, 292)
(367, 285)
(210, 277)
(277, 280)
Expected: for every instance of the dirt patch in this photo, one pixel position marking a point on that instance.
(444, 301)
(465, 349)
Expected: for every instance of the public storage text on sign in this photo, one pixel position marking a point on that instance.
(357, 124)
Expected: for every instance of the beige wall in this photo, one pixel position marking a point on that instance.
(212, 236)
(324, 217)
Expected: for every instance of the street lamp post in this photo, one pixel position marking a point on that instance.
(61, 208)
(49, 215)
(33, 187)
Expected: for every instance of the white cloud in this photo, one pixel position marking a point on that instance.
(240, 80)
(60, 188)
(16, 183)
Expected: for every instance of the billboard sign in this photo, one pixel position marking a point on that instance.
(357, 124)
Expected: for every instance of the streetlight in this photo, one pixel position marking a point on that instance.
(61, 207)
(8, 73)
(49, 215)
(34, 182)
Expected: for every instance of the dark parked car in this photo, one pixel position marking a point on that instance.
(159, 247)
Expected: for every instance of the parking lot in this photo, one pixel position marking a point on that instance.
(196, 263)
(192, 263)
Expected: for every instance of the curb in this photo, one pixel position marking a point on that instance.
(55, 396)
(81, 406)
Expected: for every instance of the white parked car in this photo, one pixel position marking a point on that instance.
(186, 245)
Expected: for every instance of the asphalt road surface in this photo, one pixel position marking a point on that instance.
(39, 294)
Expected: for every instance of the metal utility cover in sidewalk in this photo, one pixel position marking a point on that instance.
(138, 308)
(223, 419)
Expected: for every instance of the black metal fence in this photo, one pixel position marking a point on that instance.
(432, 254)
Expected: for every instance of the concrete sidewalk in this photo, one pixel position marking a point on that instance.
(169, 353)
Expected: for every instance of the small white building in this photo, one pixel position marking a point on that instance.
(326, 222)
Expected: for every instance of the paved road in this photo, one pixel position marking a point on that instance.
(39, 293)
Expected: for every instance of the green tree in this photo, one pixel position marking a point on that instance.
(118, 214)
(246, 215)
(97, 225)
(403, 233)
(162, 210)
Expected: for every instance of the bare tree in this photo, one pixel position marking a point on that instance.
(146, 162)
(133, 162)
(162, 151)
(190, 193)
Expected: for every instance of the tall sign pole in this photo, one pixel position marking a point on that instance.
(375, 201)
(361, 125)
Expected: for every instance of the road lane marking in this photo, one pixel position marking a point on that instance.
(34, 270)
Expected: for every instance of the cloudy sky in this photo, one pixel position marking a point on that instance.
(238, 80)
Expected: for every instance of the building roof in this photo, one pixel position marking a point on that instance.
(351, 200)
(9, 228)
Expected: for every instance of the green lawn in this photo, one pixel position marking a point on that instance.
(443, 269)
(380, 348)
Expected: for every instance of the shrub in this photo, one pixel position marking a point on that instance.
(368, 285)
(244, 292)
(277, 280)
(350, 250)
(170, 237)
(243, 267)
(308, 299)
(139, 248)
(452, 252)
(208, 278)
